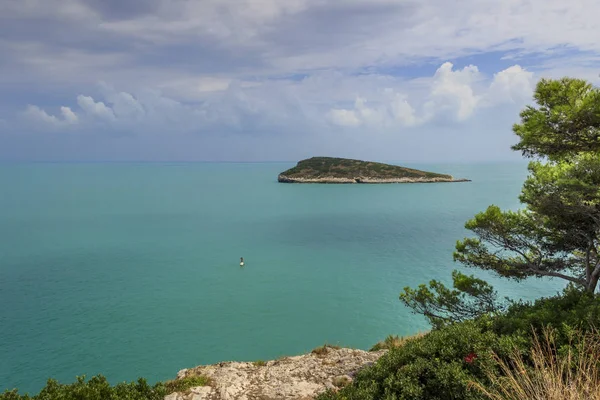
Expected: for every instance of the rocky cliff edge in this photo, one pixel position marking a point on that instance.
(300, 378)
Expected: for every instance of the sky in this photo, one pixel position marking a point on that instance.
(281, 80)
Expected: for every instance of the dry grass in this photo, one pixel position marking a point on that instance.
(393, 341)
(341, 381)
(572, 375)
(323, 350)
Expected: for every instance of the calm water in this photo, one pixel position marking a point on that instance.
(133, 269)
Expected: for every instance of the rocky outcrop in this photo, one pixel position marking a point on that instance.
(331, 179)
(299, 378)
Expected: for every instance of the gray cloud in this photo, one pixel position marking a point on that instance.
(112, 10)
(88, 40)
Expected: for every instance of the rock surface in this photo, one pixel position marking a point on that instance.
(299, 378)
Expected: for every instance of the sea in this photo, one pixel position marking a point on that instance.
(133, 269)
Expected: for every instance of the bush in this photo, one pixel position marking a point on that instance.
(98, 388)
(438, 366)
(572, 309)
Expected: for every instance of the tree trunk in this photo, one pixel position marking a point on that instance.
(592, 283)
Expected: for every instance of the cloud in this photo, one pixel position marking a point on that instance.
(450, 95)
(69, 116)
(513, 84)
(344, 117)
(305, 71)
(392, 109)
(96, 109)
(453, 91)
(37, 116)
(402, 111)
(138, 44)
(377, 104)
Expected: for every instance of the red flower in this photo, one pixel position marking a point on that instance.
(470, 357)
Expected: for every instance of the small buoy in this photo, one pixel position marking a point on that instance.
(241, 261)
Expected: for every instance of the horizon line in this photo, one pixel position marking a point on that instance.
(237, 162)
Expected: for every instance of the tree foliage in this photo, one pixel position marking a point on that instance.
(557, 232)
(470, 298)
(566, 121)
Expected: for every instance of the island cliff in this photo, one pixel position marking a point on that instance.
(343, 170)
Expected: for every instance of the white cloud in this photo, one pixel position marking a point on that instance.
(366, 103)
(402, 111)
(36, 115)
(344, 117)
(69, 116)
(453, 91)
(123, 104)
(450, 94)
(96, 109)
(513, 84)
(372, 116)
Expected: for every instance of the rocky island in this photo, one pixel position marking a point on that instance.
(343, 170)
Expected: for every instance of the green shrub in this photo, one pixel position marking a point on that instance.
(438, 366)
(435, 367)
(572, 309)
(259, 363)
(98, 388)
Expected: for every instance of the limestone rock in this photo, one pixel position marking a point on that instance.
(290, 378)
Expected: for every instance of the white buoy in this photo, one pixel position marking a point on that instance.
(241, 261)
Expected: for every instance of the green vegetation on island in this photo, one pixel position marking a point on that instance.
(481, 347)
(343, 170)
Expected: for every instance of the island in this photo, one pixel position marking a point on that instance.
(343, 170)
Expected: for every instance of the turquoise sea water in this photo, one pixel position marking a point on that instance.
(133, 269)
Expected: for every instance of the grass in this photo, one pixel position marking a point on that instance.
(568, 374)
(341, 381)
(259, 363)
(324, 350)
(181, 385)
(393, 341)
